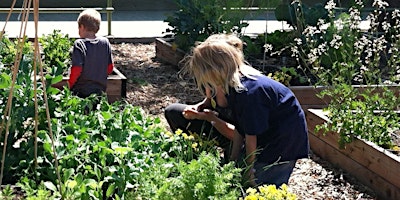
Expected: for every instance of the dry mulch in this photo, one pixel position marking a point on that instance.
(153, 85)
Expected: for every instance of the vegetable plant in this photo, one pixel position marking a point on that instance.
(195, 20)
(56, 48)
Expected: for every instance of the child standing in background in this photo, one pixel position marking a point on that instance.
(91, 57)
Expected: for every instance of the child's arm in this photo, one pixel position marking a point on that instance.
(251, 148)
(110, 68)
(237, 143)
(74, 75)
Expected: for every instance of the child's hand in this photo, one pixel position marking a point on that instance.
(60, 85)
(206, 114)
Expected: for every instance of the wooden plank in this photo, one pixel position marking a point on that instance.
(382, 188)
(372, 157)
(307, 95)
(113, 87)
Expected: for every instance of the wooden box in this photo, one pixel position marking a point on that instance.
(166, 52)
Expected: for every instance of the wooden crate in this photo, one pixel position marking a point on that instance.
(167, 53)
(116, 85)
(372, 165)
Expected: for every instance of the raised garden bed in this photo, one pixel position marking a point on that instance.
(166, 52)
(116, 85)
(372, 165)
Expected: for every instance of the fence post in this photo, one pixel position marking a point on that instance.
(109, 16)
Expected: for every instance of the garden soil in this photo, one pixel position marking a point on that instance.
(153, 85)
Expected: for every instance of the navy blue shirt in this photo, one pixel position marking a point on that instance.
(94, 56)
(269, 110)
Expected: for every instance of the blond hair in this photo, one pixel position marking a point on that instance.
(228, 38)
(219, 61)
(90, 19)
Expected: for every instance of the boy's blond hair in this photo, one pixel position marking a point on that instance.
(90, 19)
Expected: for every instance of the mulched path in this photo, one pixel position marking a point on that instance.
(153, 85)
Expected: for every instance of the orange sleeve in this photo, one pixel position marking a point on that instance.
(110, 68)
(74, 75)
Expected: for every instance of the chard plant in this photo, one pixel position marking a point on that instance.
(56, 48)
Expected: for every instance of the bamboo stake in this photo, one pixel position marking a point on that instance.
(7, 111)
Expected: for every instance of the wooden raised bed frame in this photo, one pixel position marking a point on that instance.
(167, 53)
(372, 165)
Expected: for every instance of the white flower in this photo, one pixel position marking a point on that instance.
(330, 5)
(336, 41)
(298, 41)
(380, 4)
(268, 47)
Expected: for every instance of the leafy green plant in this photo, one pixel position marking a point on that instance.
(195, 20)
(202, 178)
(8, 49)
(21, 129)
(7, 193)
(56, 49)
(369, 115)
(286, 75)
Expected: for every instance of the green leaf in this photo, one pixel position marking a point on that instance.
(5, 81)
(71, 184)
(68, 173)
(69, 137)
(49, 185)
(56, 79)
(91, 183)
(123, 150)
(110, 190)
(107, 115)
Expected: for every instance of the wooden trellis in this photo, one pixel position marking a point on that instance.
(28, 7)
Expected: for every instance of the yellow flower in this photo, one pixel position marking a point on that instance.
(251, 191)
(251, 197)
(178, 132)
(185, 136)
(270, 192)
(169, 134)
(194, 145)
